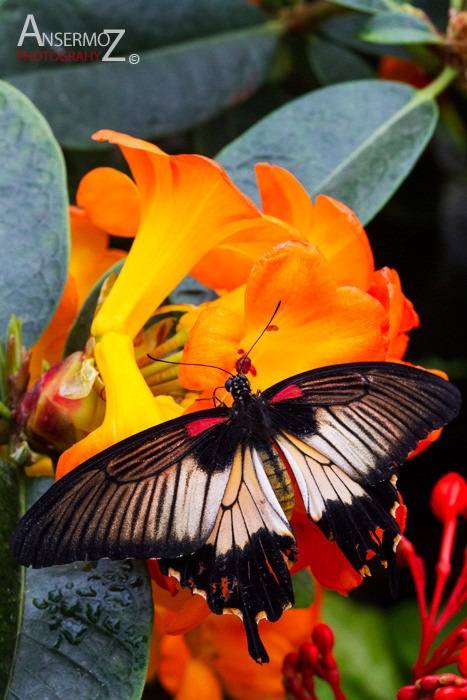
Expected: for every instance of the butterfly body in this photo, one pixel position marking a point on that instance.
(210, 495)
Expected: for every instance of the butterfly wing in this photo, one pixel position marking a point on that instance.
(155, 494)
(365, 417)
(343, 430)
(244, 566)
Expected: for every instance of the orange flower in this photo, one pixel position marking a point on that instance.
(328, 224)
(213, 657)
(318, 323)
(90, 257)
(187, 205)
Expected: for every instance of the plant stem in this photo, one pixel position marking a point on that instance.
(438, 85)
(5, 413)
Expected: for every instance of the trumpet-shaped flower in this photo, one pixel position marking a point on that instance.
(328, 224)
(187, 205)
(318, 322)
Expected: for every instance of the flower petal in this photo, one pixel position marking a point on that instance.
(228, 264)
(328, 224)
(386, 287)
(50, 345)
(188, 205)
(318, 323)
(213, 340)
(90, 256)
(111, 200)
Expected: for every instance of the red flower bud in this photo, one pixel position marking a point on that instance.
(409, 692)
(428, 683)
(53, 422)
(449, 497)
(462, 661)
(450, 693)
(323, 637)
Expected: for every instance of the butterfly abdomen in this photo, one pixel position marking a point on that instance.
(279, 478)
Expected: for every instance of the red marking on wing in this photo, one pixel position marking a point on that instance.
(290, 392)
(199, 426)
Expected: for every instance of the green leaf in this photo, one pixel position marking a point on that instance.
(175, 84)
(81, 328)
(345, 30)
(190, 291)
(398, 28)
(84, 626)
(371, 6)
(34, 238)
(335, 64)
(356, 142)
(303, 589)
(11, 577)
(363, 649)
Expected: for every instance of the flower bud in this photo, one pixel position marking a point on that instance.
(449, 497)
(53, 422)
(409, 692)
(462, 661)
(323, 637)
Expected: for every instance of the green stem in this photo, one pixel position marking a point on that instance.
(5, 413)
(437, 86)
(457, 5)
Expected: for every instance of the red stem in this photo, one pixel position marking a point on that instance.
(443, 567)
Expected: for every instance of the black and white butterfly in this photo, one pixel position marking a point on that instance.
(207, 493)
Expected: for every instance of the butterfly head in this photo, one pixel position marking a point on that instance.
(239, 386)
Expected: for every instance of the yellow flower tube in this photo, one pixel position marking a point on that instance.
(188, 205)
(130, 405)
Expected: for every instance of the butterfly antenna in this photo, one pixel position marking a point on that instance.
(189, 364)
(259, 337)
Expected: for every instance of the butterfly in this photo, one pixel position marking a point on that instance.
(209, 494)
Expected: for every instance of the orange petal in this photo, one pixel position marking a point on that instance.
(228, 264)
(188, 205)
(213, 340)
(50, 345)
(386, 287)
(173, 660)
(328, 564)
(111, 200)
(328, 224)
(89, 255)
(199, 683)
(242, 677)
(318, 323)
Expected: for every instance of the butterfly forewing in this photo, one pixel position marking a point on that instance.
(366, 417)
(155, 494)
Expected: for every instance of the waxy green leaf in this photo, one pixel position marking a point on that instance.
(34, 237)
(356, 141)
(85, 628)
(183, 63)
(398, 28)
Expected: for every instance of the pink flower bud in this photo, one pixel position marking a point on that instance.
(449, 497)
(53, 422)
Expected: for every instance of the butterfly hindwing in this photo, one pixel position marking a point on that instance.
(365, 417)
(351, 514)
(154, 494)
(244, 566)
